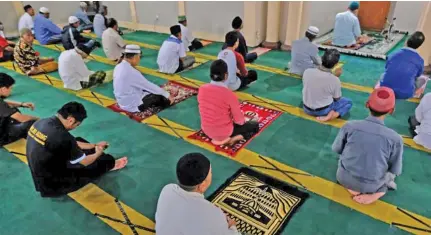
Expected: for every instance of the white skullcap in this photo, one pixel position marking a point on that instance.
(73, 19)
(313, 30)
(44, 10)
(83, 4)
(134, 49)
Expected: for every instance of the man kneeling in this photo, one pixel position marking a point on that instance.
(13, 124)
(321, 93)
(370, 153)
(61, 163)
(172, 56)
(221, 117)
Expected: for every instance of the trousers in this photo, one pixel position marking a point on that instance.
(247, 130)
(341, 106)
(153, 100)
(188, 61)
(15, 131)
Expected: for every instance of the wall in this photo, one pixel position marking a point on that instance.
(283, 20)
(147, 13)
(119, 10)
(408, 14)
(322, 14)
(59, 11)
(254, 19)
(9, 18)
(212, 20)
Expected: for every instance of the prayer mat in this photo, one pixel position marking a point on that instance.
(264, 116)
(205, 42)
(376, 48)
(179, 91)
(260, 50)
(259, 204)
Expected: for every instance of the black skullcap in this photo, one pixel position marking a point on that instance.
(192, 169)
(175, 29)
(236, 22)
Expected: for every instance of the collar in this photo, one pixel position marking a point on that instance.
(190, 194)
(323, 69)
(57, 122)
(222, 84)
(375, 120)
(410, 49)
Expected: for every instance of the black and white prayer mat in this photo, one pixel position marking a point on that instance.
(260, 205)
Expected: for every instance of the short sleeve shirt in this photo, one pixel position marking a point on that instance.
(50, 151)
(5, 112)
(169, 55)
(320, 88)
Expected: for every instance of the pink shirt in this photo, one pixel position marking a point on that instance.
(219, 109)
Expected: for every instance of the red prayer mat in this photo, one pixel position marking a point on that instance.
(264, 116)
(260, 50)
(179, 91)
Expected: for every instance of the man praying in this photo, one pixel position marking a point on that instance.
(190, 43)
(370, 153)
(182, 207)
(100, 22)
(321, 92)
(113, 44)
(221, 117)
(133, 92)
(238, 76)
(26, 20)
(72, 38)
(172, 56)
(60, 163)
(81, 14)
(420, 123)
(305, 54)
(242, 48)
(45, 30)
(13, 124)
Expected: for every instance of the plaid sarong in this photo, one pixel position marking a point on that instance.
(95, 79)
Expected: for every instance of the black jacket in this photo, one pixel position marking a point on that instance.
(66, 38)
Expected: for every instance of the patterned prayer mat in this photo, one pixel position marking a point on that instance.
(376, 48)
(179, 91)
(259, 204)
(264, 116)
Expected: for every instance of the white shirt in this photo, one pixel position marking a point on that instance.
(186, 37)
(320, 87)
(170, 53)
(423, 115)
(99, 25)
(188, 213)
(113, 44)
(228, 56)
(26, 21)
(346, 29)
(130, 86)
(72, 69)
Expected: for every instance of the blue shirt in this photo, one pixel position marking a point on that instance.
(346, 29)
(368, 149)
(44, 29)
(401, 70)
(305, 55)
(82, 16)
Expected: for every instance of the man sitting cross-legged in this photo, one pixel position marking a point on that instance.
(321, 93)
(420, 123)
(71, 37)
(61, 163)
(370, 153)
(183, 209)
(13, 124)
(74, 72)
(132, 90)
(45, 30)
(242, 48)
(172, 56)
(305, 54)
(221, 117)
(190, 43)
(113, 43)
(239, 77)
(28, 59)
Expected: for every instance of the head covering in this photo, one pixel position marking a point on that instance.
(192, 169)
(132, 49)
(382, 100)
(83, 48)
(236, 22)
(73, 19)
(354, 6)
(83, 4)
(182, 18)
(44, 10)
(313, 30)
(175, 29)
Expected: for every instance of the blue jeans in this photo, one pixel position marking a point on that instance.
(89, 44)
(83, 27)
(54, 39)
(342, 106)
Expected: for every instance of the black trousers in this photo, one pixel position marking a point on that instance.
(16, 130)
(195, 45)
(412, 125)
(246, 80)
(153, 100)
(77, 175)
(247, 130)
(7, 56)
(250, 57)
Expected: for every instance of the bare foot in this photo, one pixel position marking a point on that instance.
(368, 198)
(331, 115)
(235, 139)
(120, 163)
(354, 193)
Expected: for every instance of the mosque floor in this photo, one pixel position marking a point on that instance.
(293, 142)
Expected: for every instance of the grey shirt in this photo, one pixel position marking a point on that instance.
(368, 150)
(304, 56)
(321, 87)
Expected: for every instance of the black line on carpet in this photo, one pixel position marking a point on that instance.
(167, 125)
(413, 217)
(126, 217)
(17, 153)
(411, 227)
(86, 96)
(176, 128)
(96, 97)
(254, 101)
(290, 172)
(188, 80)
(272, 104)
(125, 223)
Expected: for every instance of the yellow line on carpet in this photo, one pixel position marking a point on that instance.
(280, 106)
(95, 200)
(349, 86)
(295, 176)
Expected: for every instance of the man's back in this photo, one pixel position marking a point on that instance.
(320, 88)
(302, 52)
(402, 69)
(346, 29)
(44, 29)
(188, 213)
(99, 25)
(112, 44)
(169, 55)
(25, 21)
(228, 56)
